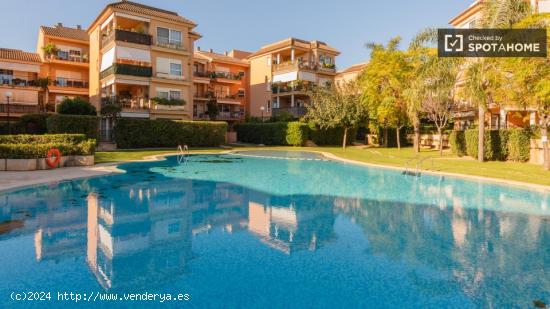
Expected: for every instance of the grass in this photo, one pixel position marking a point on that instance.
(449, 163)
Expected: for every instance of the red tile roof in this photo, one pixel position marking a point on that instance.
(134, 7)
(66, 32)
(19, 55)
(219, 57)
(294, 42)
(354, 68)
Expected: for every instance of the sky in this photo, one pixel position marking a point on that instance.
(249, 24)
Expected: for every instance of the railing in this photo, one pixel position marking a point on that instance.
(19, 108)
(132, 103)
(286, 88)
(169, 76)
(172, 45)
(202, 74)
(289, 66)
(296, 111)
(224, 75)
(127, 36)
(71, 59)
(127, 69)
(230, 115)
(327, 68)
(74, 83)
(17, 82)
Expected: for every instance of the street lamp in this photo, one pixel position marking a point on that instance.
(262, 109)
(8, 97)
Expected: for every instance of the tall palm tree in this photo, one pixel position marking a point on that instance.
(494, 14)
(44, 84)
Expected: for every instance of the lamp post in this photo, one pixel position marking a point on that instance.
(8, 97)
(262, 109)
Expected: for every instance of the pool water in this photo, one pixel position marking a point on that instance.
(256, 230)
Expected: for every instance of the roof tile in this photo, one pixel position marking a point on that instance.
(149, 10)
(18, 55)
(66, 32)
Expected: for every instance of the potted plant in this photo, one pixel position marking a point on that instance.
(50, 50)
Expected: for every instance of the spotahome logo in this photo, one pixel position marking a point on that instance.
(492, 43)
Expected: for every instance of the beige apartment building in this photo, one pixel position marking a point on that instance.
(350, 74)
(139, 54)
(64, 53)
(281, 73)
(221, 79)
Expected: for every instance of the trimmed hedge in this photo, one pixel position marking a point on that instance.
(137, 133)
(499, 145)
(88, 125)
(32, 123)
(457, 140)
(519, 143)
(294, 133)
(37, 146)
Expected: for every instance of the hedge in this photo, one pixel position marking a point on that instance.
(88, 125)
(137, 133)
(290, 133)
(37, 146)
(32, 123)
(519, 145)
(500, 145)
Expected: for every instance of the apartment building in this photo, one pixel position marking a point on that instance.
(350, 74)
(64, 53)
(282, 72)
(499, 114)
(220, 79)
(141, 57)
(18, 74)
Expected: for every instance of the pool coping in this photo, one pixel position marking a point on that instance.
(103, 169)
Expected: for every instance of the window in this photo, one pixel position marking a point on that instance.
(168, 36)
(6, 76)
(175, 94)
(75, 55)
(63, 55)
(163, 94)
(61, 81)
(175, 37)
(268, 105)
(175, 69)
(267, 84)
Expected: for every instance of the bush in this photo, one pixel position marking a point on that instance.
(136, 133)
(76, 106)
(33, 123)
(495, 144)
(37, 146)
(457, 140)
(42, 139)
(297, 133)
(87, 125)
(519, 145)
(333, 136)
(273, 133)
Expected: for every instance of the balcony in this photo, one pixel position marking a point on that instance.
(286, 88)
(293, 66)
(19, 108)
(127, 36)
(126, 103)
(230, 116)
(127, 69)
(70, 83)
(170, 44)
(17, 82)
(70, 58)
(327, 68)
(296, 111)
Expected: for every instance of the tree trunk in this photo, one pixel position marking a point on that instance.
(440, 141)
(345, 139)
(398, 139)
(416, 142)
(481, 134)
(545, 150)
(386, 137)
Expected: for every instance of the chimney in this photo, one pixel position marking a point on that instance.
(226, 53)
(59, 25)
(79, 27)
(211, 50)
(198, 48)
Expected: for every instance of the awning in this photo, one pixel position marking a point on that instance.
(134, 54)
(286, 77)
(24, 67)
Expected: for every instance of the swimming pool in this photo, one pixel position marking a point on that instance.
(256, 230)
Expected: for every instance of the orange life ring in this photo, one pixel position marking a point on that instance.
(54, 152)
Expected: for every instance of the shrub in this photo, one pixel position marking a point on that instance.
(273, 133)
(37, 146)
(33, 123)
(457, 141)
(170, 102)
(495, 144)
(519, 145)
(136, 133)
(297, 133)
(87, 125)
(42, 139)
(76, 106)
(330, 136)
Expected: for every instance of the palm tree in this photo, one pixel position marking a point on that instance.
(494, 14)
(44, 84)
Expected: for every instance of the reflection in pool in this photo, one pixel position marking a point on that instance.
(237, 231)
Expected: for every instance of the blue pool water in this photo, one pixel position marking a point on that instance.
(247, 231)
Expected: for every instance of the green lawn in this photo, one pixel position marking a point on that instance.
(449, 163)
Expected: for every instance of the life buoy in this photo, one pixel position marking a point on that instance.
(54, 152)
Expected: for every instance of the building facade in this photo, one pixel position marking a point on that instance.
(350, 74)
(282, 72)
(19, 71)
(64, 53)
(141, 57)
(220, 79)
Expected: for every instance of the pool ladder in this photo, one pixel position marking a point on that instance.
(183, 152)
(418, 166)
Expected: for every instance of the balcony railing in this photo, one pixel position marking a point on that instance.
(70, 58)
(202, 74)
(296, 111)
(73, 83)
(128, 103)
(287, 88)
(17, 82)
(127, 69)
(19, 108)
(290, 66)
(230, 115)
(127, 36)
(168, 44)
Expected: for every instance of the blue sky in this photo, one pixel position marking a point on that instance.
(248, 24)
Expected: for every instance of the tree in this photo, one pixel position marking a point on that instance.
(494, 14)
(44, 84)
(383, 82)
(213, 109)
(337, 106)
(76, 106)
